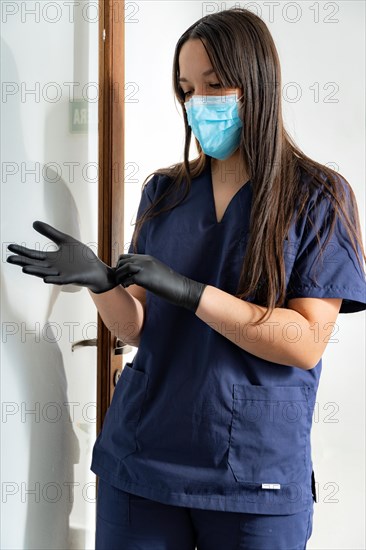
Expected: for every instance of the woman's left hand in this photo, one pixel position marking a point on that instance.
(157, 277)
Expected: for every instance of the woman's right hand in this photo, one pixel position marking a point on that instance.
(73, 263)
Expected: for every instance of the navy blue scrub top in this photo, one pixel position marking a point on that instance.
(195, 420)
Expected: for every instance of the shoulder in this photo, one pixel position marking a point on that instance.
(323, 197)
(157, 184)
(321, 180)
(321, 188)
(173, 178)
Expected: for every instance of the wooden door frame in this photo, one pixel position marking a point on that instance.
(111, 177)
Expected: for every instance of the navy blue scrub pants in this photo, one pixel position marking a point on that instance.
(129, 522)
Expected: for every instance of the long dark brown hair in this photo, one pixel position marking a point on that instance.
(243, 55)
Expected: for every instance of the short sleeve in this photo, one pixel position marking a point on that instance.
(145, 202)
(336, 273)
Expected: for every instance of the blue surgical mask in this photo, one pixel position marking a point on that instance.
(216, 124)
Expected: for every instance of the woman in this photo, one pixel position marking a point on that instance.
(236, 255)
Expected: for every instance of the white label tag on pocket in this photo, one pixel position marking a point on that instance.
(271, 486)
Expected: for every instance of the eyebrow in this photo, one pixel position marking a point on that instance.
(205, 73)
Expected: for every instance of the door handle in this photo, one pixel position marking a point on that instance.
(120, 348)
(84, 343)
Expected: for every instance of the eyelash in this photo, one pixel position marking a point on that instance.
(215, 86)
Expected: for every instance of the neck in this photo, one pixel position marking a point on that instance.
(232, 169)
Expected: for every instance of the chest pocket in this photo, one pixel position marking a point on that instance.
(269, 433)
(235, 259)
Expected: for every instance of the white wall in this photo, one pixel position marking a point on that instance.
(321, 48)
(45, 451)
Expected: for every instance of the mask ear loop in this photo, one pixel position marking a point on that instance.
(240, 106)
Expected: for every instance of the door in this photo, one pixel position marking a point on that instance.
(57, 151)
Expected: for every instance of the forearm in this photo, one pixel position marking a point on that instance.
(121, 313)
(285, 338)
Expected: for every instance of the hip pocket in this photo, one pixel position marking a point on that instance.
(123, 415)
(269, 434)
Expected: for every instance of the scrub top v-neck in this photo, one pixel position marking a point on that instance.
(195, 420)
(213, 203)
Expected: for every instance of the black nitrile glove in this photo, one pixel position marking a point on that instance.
(74, 262)
(152, 274)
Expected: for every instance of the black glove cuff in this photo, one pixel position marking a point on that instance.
(194, 295)
(107, 282)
